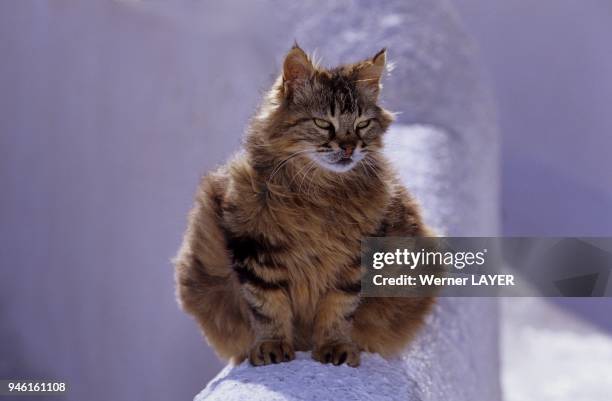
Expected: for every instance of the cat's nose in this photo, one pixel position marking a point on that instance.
(347, 149)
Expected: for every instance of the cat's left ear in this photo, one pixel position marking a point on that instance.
(297, 67)
(369, 73)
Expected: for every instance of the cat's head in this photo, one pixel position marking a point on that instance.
(331, 116)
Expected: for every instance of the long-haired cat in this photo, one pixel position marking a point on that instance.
(270, 261)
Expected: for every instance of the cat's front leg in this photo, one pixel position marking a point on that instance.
(270, 313)
(333, 323)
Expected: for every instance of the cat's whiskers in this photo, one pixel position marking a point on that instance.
(316, 188)
(281, 164)
(312, 165)
(299, 171)
(371, 167)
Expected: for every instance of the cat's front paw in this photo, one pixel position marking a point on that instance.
(271, 351)
(337, 353)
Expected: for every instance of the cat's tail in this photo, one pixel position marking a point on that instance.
(387, 325)
(205, 285)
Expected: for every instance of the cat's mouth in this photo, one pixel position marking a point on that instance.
(337, 161)
(345, 161)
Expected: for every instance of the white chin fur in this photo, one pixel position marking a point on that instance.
(335, 167)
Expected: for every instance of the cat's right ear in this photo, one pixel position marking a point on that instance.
(297, 67)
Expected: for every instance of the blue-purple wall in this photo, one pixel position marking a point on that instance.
(550, 63)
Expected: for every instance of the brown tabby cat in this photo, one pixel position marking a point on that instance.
(270, 262)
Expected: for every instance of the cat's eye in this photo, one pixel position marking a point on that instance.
(363, 124)
(322, 123)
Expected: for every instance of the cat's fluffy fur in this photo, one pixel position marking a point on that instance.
(270, 262)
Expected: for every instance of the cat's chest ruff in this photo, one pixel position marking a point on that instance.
(327, 220)
(304, 225)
